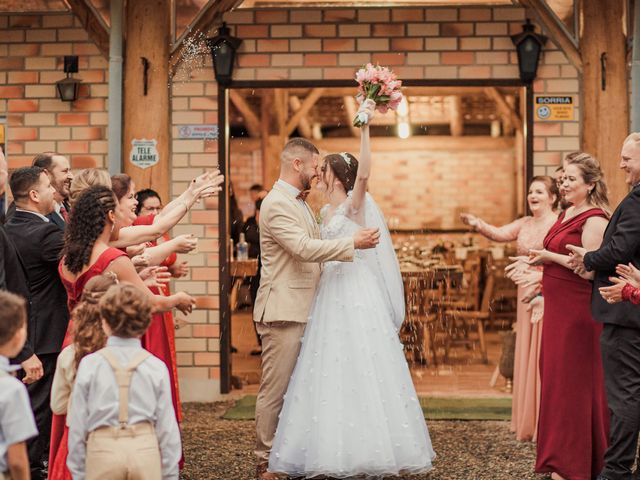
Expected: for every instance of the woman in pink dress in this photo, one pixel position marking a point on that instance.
(573, 425)
(528, 232)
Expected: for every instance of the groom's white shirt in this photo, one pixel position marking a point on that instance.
(291, 252)
(295, 192)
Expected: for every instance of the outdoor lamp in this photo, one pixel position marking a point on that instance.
(528, 46)
(68, 87)
(223, 52)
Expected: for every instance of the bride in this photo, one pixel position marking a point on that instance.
(351, 407)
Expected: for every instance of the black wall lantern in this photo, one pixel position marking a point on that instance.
(68, 87)
(528, 46)
(223, 52)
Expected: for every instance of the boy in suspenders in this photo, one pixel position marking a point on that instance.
(17, 424)
(121, 419)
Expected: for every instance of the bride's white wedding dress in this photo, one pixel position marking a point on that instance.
(351, 407)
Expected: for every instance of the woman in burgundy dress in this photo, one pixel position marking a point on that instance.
(574, 421)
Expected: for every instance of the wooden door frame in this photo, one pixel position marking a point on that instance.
(224, 165)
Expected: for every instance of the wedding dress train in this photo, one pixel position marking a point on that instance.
(351, 407)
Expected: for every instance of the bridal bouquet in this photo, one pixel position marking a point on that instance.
(380, 85)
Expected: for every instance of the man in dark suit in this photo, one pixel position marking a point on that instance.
(39, 242)
(59, 170)
(3, 185)
(620, 338)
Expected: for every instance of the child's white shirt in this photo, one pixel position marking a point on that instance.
(16, 418)
(94, 404)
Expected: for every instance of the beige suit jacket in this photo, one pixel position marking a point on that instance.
(291, 252)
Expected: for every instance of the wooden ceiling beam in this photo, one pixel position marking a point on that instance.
(251, 120)
(556, 29)
(304, 127)
(351, 109)
(406, 91)
(456, 120)
(92, 22)
(210, 15)
(503, 107)
(309, 101)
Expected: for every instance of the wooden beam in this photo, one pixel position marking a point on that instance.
(304, 127)
(281, 109)
(503, 107)
(251, 120)
(351, 109)
(406, 91)
(556, 29)
(309, 101)
(92, 22)
(270, 145)
(456, 121)
(605, 85)
(210, 16)
(146, 116)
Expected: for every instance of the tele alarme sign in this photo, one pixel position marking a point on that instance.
(144, 153)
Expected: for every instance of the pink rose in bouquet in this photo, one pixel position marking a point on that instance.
(380, 85)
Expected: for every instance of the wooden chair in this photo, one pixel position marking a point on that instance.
(460, 324)
(465, 295)
(418, 330)
(504, 303)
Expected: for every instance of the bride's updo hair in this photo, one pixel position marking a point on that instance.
(344, 166)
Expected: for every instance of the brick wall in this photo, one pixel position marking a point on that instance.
(31, 56)
(413, 183)
(418, 43)
(439, 43)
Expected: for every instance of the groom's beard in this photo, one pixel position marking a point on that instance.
(306, 181)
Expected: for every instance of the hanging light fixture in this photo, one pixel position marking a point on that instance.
(68, 87)
(223, 53)
(528, 47)
(402, 115)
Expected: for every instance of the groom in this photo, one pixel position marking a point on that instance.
(291, 253)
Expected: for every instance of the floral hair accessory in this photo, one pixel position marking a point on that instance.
(346, 158)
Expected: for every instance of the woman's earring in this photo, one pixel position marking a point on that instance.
(113, 225)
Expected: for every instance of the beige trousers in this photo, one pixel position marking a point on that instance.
(280, 349)
(132, 453)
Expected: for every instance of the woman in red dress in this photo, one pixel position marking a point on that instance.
(573, 426)
(87, 253)
(159, 338)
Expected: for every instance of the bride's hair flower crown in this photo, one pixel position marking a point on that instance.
(346, 158)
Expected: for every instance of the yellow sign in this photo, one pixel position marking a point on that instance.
(559, 109)
(1, 133)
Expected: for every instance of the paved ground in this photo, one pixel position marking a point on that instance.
(218, 449)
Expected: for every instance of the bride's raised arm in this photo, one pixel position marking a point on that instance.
(364, 160)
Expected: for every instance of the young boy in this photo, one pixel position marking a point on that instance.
(16, 418)
(121, 420)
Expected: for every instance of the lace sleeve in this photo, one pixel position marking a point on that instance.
(505, 233)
